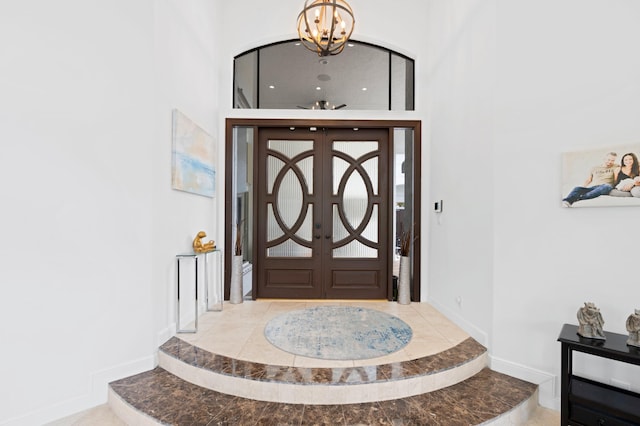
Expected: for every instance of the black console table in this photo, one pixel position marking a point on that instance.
(587, 402)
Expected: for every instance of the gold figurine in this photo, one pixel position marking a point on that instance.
(199, 247)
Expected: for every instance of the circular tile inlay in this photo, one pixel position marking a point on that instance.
(338, 333)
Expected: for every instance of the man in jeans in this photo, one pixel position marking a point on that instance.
(599, 182)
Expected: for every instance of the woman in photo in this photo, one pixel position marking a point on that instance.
(627, 177)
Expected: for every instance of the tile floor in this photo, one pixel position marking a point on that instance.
(237, 332)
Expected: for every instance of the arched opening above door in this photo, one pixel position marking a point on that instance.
(286, 75)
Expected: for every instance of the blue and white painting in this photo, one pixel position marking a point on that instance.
(193, 158)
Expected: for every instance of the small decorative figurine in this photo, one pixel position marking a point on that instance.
(199, 246)
(590, 321)
(633, 327)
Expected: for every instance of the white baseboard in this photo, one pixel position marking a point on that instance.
(165, 334)
(547, 389)
(480, 336)
(95, 395)
(548, 394)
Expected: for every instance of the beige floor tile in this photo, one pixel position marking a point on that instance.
(227, 342)
(421, 346)
(258, 349)
(101, 415)
(544, 417)
(239, 329)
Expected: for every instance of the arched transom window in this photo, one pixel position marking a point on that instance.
(288, 76)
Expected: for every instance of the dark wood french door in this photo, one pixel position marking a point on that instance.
(322, 213)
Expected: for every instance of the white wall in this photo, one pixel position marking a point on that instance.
(567, 80)
(90, 226)
(457, 78)
(76, 114)
(186, 71)
(510, 86)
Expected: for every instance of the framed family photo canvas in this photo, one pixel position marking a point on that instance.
(193, 155)
(607, 176)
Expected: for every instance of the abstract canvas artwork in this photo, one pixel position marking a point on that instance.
(194, 157)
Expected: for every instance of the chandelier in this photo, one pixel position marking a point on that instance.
(324, 26)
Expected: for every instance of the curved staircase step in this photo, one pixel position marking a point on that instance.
(335, 385)
(159, 397)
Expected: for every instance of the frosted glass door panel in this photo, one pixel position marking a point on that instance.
(289, 199)
(290, 148)
(354, 199)
(355, 149)
(289, 210)
(355, 182)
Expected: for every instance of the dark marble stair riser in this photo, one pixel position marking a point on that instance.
(171, 400)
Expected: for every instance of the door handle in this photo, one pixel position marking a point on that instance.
(317, 237)
(327, 236)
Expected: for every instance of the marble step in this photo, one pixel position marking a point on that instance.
(159, 397)
(332, 385)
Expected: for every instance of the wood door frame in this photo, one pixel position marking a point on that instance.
(414, 125)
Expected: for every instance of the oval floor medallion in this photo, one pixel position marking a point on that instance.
(338, 333)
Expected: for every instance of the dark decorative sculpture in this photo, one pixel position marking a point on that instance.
(200, 247)
(590, 322)
(633, 327)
